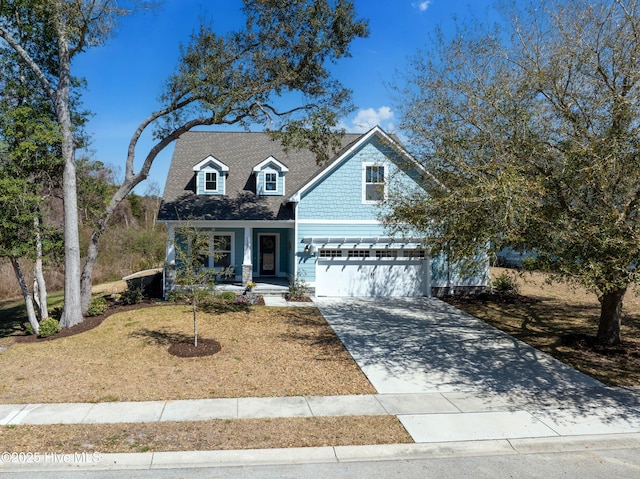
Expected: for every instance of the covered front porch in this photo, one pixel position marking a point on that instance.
(241, 252)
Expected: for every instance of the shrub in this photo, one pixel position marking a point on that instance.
(228, 296)
(176, 296)
(132, 296)
(97, 306)
(506, 284)
(529, 264)
(48, 327)
(298, 289)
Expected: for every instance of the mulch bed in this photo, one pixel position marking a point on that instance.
(588, 342)
(88, 323)
(184, 349)
(209, 346)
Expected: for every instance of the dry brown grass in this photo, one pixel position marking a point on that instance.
(547, 315)
(206, 435)
(265, 352)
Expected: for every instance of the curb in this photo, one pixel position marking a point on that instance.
(312, 455)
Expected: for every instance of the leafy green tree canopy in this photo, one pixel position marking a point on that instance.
(532, 129)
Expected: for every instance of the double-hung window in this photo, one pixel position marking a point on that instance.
(270, 181)
(211, 181)
(374, 183)
(221, 247)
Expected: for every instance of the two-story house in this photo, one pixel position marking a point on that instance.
(275, 213)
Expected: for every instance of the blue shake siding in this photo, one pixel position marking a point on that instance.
(339, 195)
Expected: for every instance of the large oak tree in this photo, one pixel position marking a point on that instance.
(280, 57)
(532, 129)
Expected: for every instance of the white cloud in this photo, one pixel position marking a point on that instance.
(367, 118)
(422, 6)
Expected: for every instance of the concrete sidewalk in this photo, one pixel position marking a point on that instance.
(428, 417)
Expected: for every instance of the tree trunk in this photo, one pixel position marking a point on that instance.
(72, 313)
(195, 323)
(610, 317)
(31, 312)
(41, 294)
(86, 279)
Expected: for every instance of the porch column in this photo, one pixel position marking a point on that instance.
(247, 267)
(169, 271)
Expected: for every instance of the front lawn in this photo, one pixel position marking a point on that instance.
(265, 352)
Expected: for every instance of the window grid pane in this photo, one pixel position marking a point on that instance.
(358, 253)
(330, 253)
(374, 183)
(211, 181)
(270, 182)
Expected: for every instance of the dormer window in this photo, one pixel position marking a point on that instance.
(271, 182)
(210, 181)
(211, 176)
(270, 176)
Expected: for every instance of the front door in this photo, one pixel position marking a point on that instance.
(267, 255)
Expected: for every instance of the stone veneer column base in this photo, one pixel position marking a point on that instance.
(247, 274)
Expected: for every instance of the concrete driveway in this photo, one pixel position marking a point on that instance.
(471, 380)
(423, 345)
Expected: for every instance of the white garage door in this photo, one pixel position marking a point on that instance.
(371, 275)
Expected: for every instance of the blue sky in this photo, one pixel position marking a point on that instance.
(125, 76)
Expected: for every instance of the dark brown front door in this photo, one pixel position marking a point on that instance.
(267, 255)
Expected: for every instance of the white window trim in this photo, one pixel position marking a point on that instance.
(263, 183)
(204, 179)
(270, 165)
(267, 173)
(212, 250)
(365, 201)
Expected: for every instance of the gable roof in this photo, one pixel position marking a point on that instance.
(210, 159)
(348, 150)
(271, 160)
(241, 152)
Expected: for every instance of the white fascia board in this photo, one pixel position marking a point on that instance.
(236, 223)
(273, 160)
(211, 159)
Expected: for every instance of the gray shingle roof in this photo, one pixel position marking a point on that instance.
(240, 151)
